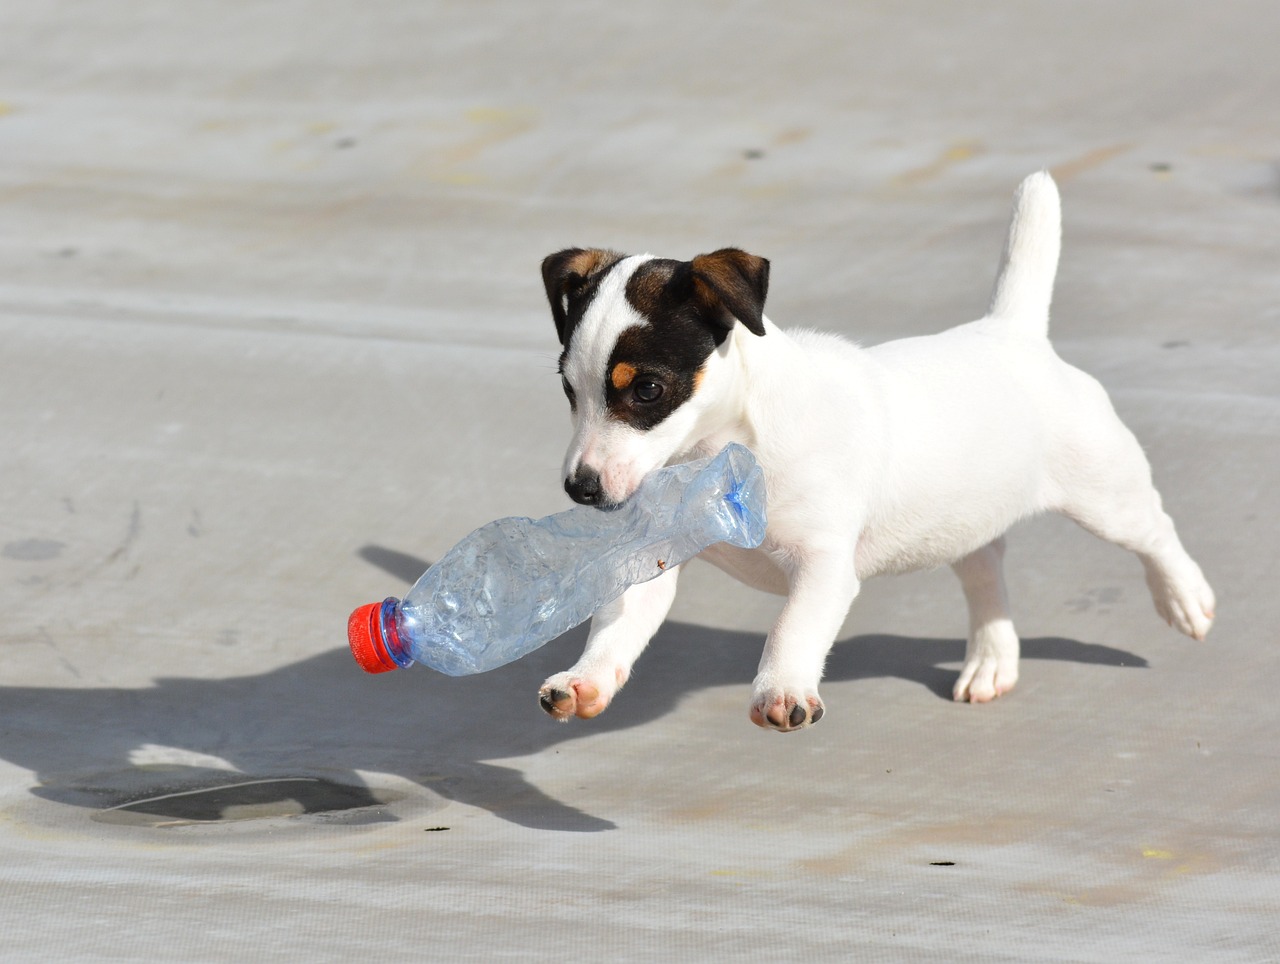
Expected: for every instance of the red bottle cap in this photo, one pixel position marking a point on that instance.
(364, 633)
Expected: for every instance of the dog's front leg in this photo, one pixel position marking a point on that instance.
(620, 631)
(823, 587)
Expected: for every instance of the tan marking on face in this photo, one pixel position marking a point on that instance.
(622, 375)
(698, 376)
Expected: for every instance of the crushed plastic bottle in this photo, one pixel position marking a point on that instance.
(515, 584)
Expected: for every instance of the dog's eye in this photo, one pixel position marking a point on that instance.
(646, 391)
(568, 390)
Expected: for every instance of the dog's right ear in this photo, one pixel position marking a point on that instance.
(730, 284)
(566, 273)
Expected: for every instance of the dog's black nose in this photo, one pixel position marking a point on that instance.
(584, 487)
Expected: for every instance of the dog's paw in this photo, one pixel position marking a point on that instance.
(990, 664)
(985, 677)
(1184, 601)
(783, 712)
(578, 694)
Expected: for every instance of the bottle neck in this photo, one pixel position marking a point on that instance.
(388, 626)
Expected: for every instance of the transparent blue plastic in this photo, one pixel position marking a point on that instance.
(515, 584)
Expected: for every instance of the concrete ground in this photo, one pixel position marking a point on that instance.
(272, 337)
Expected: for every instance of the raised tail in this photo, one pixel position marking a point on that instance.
(1024, 286)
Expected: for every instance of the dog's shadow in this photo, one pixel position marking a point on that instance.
(322, 713)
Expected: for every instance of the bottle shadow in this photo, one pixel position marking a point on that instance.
(321, 714)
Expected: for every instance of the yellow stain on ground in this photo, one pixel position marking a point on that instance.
(489, 126)
(314, 129)
(955, 154)
(492, 115)
(459, 178)
(792, 135)
(1135, 880)
(381, 845)
(768, 192)
(5, 108)
(304, 140)
(1087, 161)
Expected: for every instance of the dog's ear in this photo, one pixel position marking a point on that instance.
(730, 284)
(566, 272)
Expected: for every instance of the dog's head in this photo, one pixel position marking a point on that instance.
(643, 338)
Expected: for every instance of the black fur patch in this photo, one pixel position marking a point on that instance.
(690, 308)
(664, 365)
(668, 352)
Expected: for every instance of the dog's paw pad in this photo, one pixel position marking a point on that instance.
(786, 714)
(565, 696)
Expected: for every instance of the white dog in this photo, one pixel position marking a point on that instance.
(904, 456)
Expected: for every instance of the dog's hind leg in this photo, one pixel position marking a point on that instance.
(620, 631)
(1106, 488)
(991, 654)
(1134, 519)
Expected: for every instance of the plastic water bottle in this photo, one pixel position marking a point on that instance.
(515, 584)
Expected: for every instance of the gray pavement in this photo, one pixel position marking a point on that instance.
(272, 338)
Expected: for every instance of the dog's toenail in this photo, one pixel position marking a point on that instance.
(797, 715)
(816, 715)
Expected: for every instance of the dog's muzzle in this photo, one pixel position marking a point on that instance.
(584, 487)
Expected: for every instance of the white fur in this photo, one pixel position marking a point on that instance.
(598, 442)
(912, 454)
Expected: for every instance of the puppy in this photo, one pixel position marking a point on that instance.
(909, 455)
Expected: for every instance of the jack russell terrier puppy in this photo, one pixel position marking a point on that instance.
(909, 455)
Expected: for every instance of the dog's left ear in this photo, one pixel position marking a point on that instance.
(730, 284)
(566, 272)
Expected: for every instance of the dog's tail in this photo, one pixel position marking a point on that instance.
(1024, 286)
